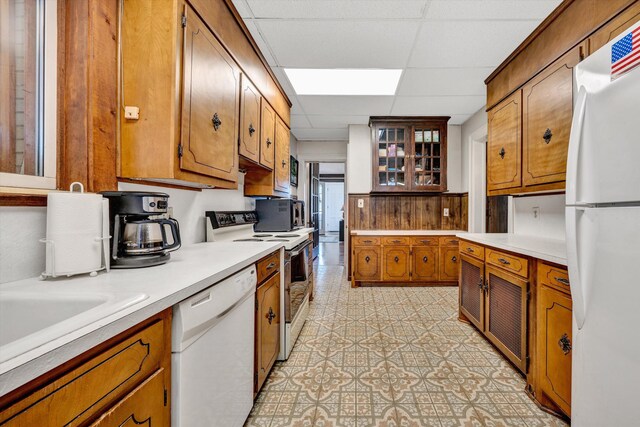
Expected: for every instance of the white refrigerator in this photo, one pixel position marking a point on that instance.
(603, 240)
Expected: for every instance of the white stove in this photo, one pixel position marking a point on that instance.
(295, 264)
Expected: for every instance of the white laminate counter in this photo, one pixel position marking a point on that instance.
(190, 270)
(552, 250)
(407, 232)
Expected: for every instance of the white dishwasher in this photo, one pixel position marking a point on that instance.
(212, 354)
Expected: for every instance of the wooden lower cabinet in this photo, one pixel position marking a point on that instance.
(123, 381)
(267, 319)
(396, 264)
(554, 346)
(471, 296)
(403, 260)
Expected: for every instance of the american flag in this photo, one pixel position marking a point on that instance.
(625, 53)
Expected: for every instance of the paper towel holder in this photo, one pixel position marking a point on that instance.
(50, 244)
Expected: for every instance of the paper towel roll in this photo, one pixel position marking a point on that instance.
(74, 233)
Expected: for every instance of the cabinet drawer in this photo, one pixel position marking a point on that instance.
(424, 241)
(366, 240)
(554, 277)
(512, 263)
(268, 265)
(94, 386)
(449, 241)
(391, 240)
(472, 249)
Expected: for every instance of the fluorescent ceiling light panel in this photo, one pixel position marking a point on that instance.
(308, 81)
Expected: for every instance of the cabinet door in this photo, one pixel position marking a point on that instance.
(615, 27)
(390, 158)
(506, 315)
(428, 160)
(449, 258)
(210, 104)
(267, 135)
(424, 265)
(396, 263)
(366, 263)
(472, 290)
(144, 406)
(547, 115)
(554, 346)
(504, 144)
(282, 175)
(250, 121)
(267, 328)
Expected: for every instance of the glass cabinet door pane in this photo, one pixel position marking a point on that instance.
(418, 135)
(436, 136)
(427, 135)
(400, 135)
(382, 134)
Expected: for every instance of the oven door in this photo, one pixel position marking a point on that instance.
(297, 282)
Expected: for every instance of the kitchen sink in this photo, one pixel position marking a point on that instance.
(29, 320)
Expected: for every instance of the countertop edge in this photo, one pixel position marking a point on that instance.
(405, 232)
(531, 252)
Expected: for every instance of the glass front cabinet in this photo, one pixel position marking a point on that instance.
(409, 154)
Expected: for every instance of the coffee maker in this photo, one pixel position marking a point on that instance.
(139, 229)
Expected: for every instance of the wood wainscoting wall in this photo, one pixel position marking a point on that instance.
(408, 212)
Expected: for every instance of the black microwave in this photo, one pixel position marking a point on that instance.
(279, 214)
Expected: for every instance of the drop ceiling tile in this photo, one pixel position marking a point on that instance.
(340, 44)
(490, 9)
(338, 9)
(437, 105)
(444, 81)
(300, 121)
(262, 44)
(321, 134)
(243, 8)
(468, 43)
(331, 121)
(347, 105)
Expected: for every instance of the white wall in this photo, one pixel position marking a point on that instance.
(549, 224)
(473, 123)
(21, 254)
(454, 159)
(293, 150)
(317, 151)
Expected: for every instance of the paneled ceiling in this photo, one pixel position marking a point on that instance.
(446, 48)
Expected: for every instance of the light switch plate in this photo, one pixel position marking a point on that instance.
(131, 113)
(361, 203)
(446, 212)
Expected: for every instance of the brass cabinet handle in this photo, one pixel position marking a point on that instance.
(284, 163)
(251, 129)
(367, 259)
(480, 284)
(562, 280)
(268, 142)
(395, 241)
(216, 121)
(396, 259)
(426, 242)
(469, 249)
(271, 265)
(454, 258)
(271, 315)
(547, 136)
(425, 259)
(502, 153)
(367, 241)
(504, 261)
(565, 344)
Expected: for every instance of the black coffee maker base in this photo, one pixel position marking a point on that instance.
(140, 261)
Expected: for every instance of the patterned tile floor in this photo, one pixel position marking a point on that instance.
(391, 357)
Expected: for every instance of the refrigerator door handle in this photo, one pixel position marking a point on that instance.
(575, 139)
(573, 264)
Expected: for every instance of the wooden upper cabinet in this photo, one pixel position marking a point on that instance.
(210, 105)
(547, 115)
(396, 263)
(504, 144)
(615, 27)
(267, 327)
(281, 166)
(267, 135)
(409, 154)
(554, 331)
(249, 121)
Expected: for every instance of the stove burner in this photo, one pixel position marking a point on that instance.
(262, 235)
(248, 240)
(287, 236)
(277, 240)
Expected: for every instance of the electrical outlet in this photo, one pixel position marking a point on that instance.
(446, 212)
(536, 212)
(131, 112)
(361, 203)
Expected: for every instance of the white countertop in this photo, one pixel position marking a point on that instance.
(190, 270)
(406, 232)
(552, 250)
